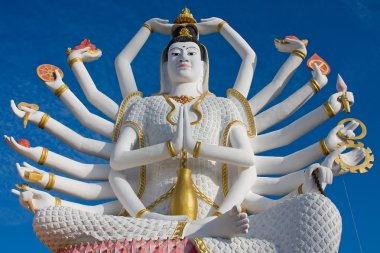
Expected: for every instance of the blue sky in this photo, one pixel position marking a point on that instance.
(344, 33)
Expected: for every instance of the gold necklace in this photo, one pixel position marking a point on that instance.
(183, 99)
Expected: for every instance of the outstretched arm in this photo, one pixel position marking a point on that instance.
(283, 110)
(65, 134)
(85, 117)
(298, 128)
(35, 200)
(293, 162)
(93, 95)
(275, 87)
(83, 190)
(127, 55)
(246, 53)
(61, 163)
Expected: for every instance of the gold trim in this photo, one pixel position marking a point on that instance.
(142, 212)
(178, 231)
(200, 245)
(148, 26)
(315, 85)
(43, 157)
(220, 26)
(121, 112)
(197, 147)
(328, 109)
(43, 121)
(33, 175)
(325, 150)
(140, 134)
(299, 190)
(163, 197)
(51, 182)
(224, 165)
(247, 108)
(299, 53)
(217, 213)
(171, 149)
(361, 124)
(61, 90)
(72, 61)
(195, 107)
(58, 201)
(203, 197)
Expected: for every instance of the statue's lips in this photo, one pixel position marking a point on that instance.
(183, 66)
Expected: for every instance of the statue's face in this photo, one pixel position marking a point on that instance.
(184, 62)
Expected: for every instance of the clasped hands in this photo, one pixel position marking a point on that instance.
(183, 137)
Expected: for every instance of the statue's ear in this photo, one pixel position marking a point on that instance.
(164, 82)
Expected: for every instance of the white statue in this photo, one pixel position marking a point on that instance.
(186, 133)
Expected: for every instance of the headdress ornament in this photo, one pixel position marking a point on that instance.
(185, 17)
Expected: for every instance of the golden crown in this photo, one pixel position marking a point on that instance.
(185, 17)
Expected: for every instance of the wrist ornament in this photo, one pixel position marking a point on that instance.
(43, 156)
(33, 175)
(197, 147)
(315, 85)
(328, 109)
(171, 149)
(148, 26)
(74, 60)
(43, 121)
(51, 181)
(61, 90)
(142, 212)
(299, 53)
(325, 150)
(220, 26)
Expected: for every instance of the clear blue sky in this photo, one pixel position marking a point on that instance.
(345, 33)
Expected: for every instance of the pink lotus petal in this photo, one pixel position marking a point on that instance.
(340, 84)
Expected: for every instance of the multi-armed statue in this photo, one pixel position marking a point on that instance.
(185, 163)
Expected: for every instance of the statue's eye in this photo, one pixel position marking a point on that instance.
(175, 54)
(191, 53)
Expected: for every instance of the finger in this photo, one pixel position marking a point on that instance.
(15, 192)
(19, 170)
(27, 109)
(33, 191)
(83, 50)
(26, 196)
(206, 19)
(16, 111)
(329, 160)
(330, 177)
(16, 145)
(311, 168)
(352, 125)
(163, 21)
(316, 70)
(57, 75)
(336, 129)
(349, 133)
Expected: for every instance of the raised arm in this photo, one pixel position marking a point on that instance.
(89, 146)
(83, 190)
(85, 117)
(246, 53)
(127, 55)
(286, 108)
(297, 50)
(298, 128)
(267, 165)
(98, 99)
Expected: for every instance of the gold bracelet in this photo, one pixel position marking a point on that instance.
(299, 53)
(315, 85)
(328, 109)
(217, 213)
(72, 61)
(299, 190)
(171, 149)
(58, 201)
(325, 150)
(33, 175)
(220, 25)
(197, 147)
(43, 157)
(142, 212)
(43, 121)
(51, 181)
(61, 90)
(148, 26)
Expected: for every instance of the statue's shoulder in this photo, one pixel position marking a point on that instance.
(225, 106)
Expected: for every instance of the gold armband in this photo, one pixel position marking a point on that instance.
(299, 190)
(43, 157)
(43, 121)
(220, 25)
(315, 85)
(149, 27)
(325, 150)
(51, 181)
(58, 201)
(61, 90)
(299, 53)
(142, 212)
(171, 149)
(197, 147)
(328, 109)
(33, 175)
(72, 61)
(217, 213)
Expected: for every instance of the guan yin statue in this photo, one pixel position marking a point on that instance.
(183, 172)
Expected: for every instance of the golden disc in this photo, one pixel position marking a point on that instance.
(361, 124)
